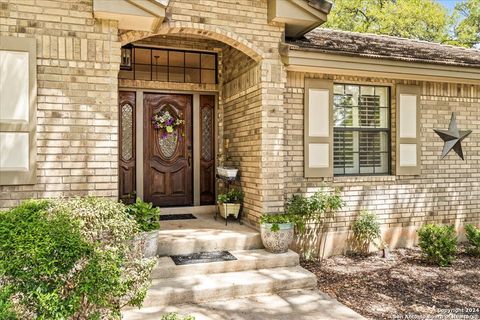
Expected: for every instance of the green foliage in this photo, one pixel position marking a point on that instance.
(146, 215)
(175, 316)
(417, 19)
(466, 21)
(276, 219)
(366, 228)
(438, 243)
(37, 253)
(69, 258)
(313, 209)
(233, 195)
(301, 210)
(473, 236)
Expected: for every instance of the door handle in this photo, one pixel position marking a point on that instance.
(189, 159)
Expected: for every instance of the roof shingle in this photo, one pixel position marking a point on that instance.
(386, 47)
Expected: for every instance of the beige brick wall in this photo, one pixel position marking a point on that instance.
(77, 64)
(447, 191)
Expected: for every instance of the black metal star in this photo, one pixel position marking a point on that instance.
(452, 137)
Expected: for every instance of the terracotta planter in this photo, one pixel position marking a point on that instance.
(148, 243)
(277, 241)
(229, 209)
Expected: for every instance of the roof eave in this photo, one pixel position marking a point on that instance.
(317, 61)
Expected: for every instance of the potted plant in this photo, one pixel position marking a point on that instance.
(148, 219)
(229, 203)
(277, 231)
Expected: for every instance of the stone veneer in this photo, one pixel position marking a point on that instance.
(447, 191)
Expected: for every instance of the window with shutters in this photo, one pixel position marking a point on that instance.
(361, 133)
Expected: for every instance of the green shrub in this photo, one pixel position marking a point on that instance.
(366, 229)
(146, 215)
(175, 316)
(70, 258)
(38, 251)
(233, 195)
(438, 243)
(313, 209)
(473, 236)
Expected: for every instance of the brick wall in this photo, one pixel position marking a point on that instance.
(77, 65)
(447, 191)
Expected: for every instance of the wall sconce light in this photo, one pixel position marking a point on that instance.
(126, 58)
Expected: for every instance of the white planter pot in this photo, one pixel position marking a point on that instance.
(148, 243)
(277, 241)
(229, 209)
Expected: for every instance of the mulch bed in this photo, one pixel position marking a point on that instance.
(402, 286)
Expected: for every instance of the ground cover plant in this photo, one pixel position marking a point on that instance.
(69, 259)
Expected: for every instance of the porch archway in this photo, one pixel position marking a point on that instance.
(198, 29)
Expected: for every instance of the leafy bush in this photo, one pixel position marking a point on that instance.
(146, 215)
(473, 236)
(438, 243)
(366, 229)
(233, 195)
(314, 208)
(70, 258)
(38, 252)
(175, 316)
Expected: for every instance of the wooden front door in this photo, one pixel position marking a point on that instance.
(168, 157)
(126, 146)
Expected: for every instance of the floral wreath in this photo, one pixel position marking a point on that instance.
(163, 120)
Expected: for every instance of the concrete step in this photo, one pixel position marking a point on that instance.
(246, 260)
(204, 234)
(299, 304)
(197, 288)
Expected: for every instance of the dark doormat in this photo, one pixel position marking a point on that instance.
(203, 257)
(183, 216)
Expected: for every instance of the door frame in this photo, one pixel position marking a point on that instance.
(196, 136)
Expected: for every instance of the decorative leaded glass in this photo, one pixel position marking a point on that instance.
(168, 144)
(127, 132)
(207, 115)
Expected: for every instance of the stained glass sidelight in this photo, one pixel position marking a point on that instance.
(127, 132)
(207, 123)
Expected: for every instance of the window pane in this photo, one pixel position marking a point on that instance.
(160, 57)
(160, 73)
(143, 56)
(208, 61)
(125, 74)
(208, 76)
(361, 124)
(192, 75)
(192, 60)
(175, 58)
(175, 74)
(142, 72)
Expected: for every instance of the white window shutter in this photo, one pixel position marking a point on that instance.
(408, 130)
(318, 128)
(18, 122)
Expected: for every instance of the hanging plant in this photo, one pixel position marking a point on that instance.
(163, 120)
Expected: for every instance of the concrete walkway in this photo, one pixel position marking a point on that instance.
(286, 305)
